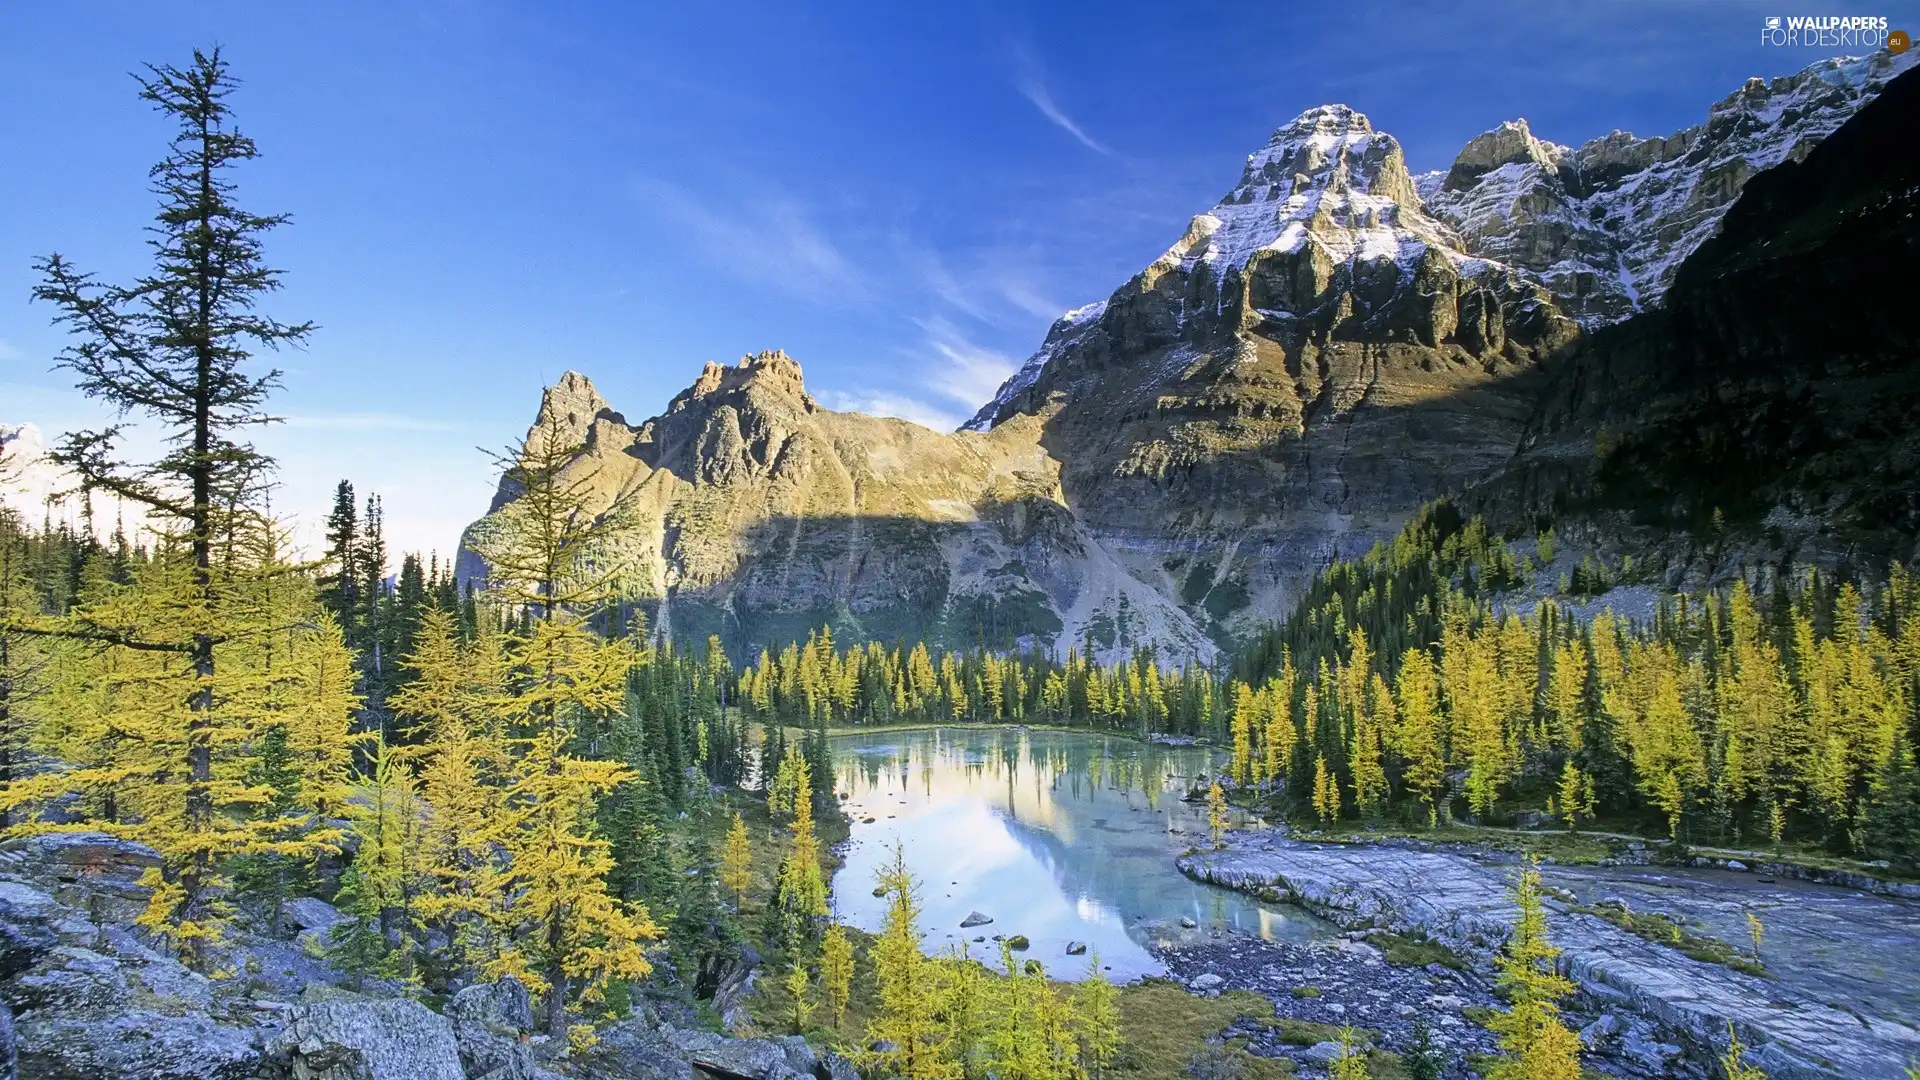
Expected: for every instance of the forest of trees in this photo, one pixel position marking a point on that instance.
(480, 782)
(1406, 686)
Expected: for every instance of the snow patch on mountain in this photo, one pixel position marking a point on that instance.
(1065, 330)
(1606, 226)
(1327, 179)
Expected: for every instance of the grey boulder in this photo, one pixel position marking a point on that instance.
(743, 1059)
(490, 1021)
(151, 1046)
(303, 913)
(1322, 1053)
(346, 1037)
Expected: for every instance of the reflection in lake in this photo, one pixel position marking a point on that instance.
(1060, 836)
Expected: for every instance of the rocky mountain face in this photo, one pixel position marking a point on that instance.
(1606, 226)
(1333, 344)
(1312, 359)
(1776, 388)
(758, 515)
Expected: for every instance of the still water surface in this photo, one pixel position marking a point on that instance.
(1060, 836)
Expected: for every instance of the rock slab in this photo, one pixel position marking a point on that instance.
(1464, 905)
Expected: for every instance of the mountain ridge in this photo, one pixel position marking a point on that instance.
(1314, 358)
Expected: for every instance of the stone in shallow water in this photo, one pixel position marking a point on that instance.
(1076, 948)
(975, 919)
(1187, 921)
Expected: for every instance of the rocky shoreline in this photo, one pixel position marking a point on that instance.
(1338, 983)
(1656, 1012)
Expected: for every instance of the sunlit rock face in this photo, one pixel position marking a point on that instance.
(755, 514)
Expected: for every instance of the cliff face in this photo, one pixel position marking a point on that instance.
(1776, 388)
(1606, 226)
(1313, 359)
(761, 515)
(1309, 362)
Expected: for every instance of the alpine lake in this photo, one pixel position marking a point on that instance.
(1065, 838)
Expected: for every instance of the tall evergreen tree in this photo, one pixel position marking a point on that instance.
(548, 555)
(340, 565)
(174, 346)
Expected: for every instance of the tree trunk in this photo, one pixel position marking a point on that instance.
(200, 726)
(6, 725)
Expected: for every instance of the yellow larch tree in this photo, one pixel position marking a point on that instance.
(25, 659)
(452, 697)
(1566, 691)
(164, 752)
(1573, 798)
(1097, 1006)
(1475, 702)
(378, 889)
(800, 892)
(1351, 1063)
(1217, 823)
(1538, 1045)
(736, 861)
(967, 995)
(797, 984)
(908, 989)
(175, 653)
(1280, 733)
(1371, 719)
(1326, 791)
(836, 972)
(554, 552)
(1733, 1063)
(1246, 703)
(1420, 731)
(1668, 758)
(571, 927)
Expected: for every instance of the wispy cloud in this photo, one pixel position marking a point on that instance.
(1029, 81)
(949, 365)
(986, 283)
(369, 421)
(961, 370)
(1027, 297)
(767, 236)
(10, 352)
(880, 403)
(936, 276)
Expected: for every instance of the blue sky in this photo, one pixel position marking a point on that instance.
(901, 195)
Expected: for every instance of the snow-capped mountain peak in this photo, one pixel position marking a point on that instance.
(1326, 178)
(1512, 143)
